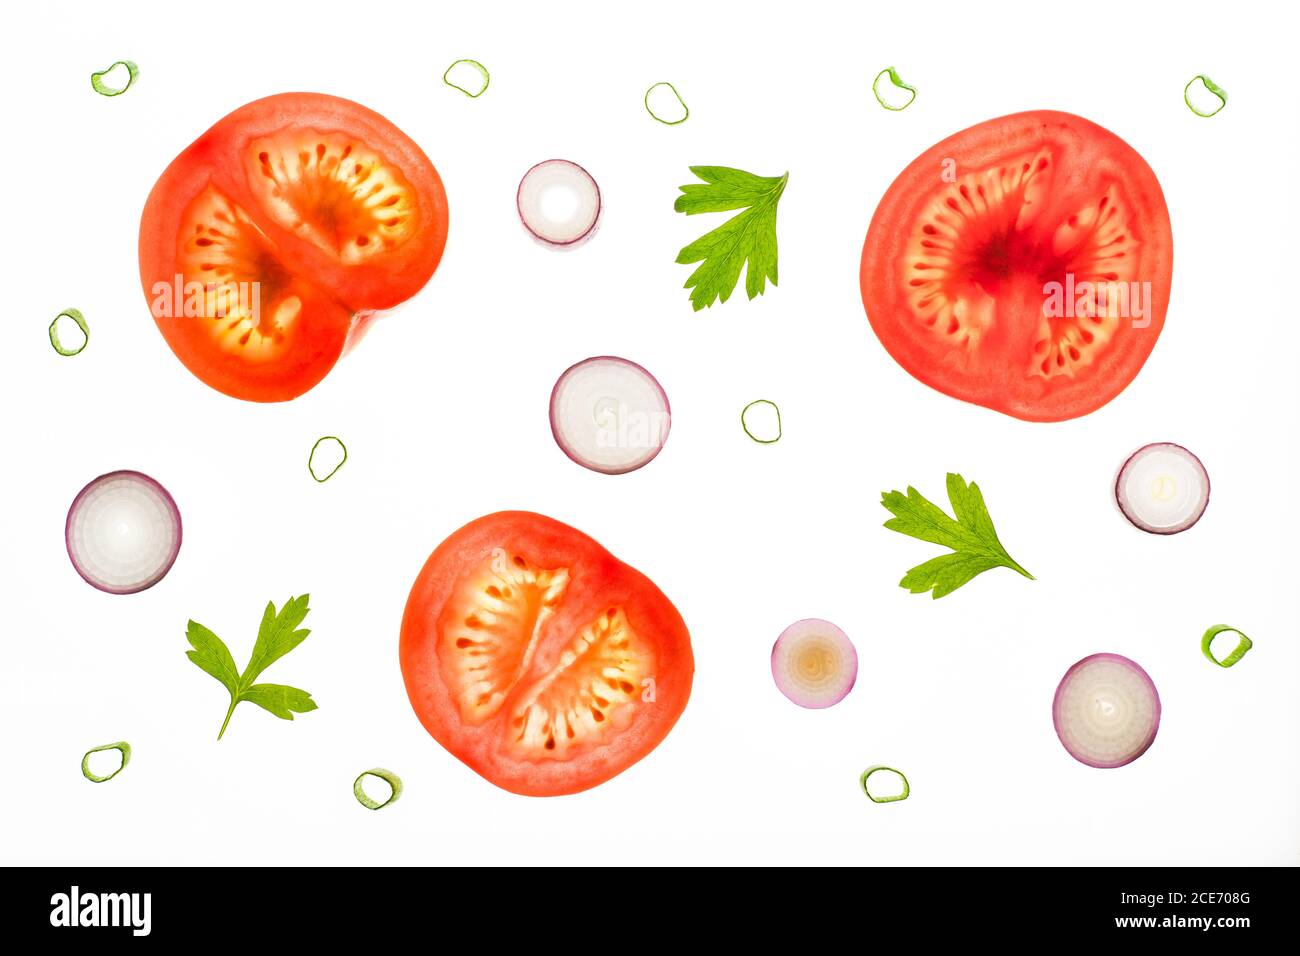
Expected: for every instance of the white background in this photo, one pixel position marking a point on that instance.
(443, 408)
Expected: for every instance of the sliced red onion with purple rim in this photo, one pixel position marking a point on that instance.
(123, 532)
(609, 414)
(1106, 711)
(1163, 488)
(814, 663)
(559, 203)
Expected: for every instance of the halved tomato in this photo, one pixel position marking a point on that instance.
(268, 244)
(1023, 264)
(538, 658)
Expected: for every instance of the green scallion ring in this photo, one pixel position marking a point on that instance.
(392, 779)
(103, 89)
(312, 457)
(745, 425)
(121, 745)
(893, 78)
(659, 119)
(482, 70)
(1210, 85)
(1238, 652)
(894, 799)
(76, 317)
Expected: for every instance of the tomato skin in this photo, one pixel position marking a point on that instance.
(598, 579)
(994, 374)
(340, 299)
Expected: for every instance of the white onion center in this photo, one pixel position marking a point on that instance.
(1163, 488)
(1106, 711)
(609, 414)
(559, 202)
(123, 533)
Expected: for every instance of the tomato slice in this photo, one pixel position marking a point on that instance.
(270, 242)
(1023, 264)
(538, 658)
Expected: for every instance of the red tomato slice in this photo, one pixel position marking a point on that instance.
(268, 244)
(538, 658)
(1023, 264)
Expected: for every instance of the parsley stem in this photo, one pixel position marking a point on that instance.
(225, 723)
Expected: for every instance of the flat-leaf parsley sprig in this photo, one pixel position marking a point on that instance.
(974, 542)
(750, 236)
(277, 636)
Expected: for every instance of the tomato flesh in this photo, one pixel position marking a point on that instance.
(539, 659)
(1023, 264)
(333, 192)
(489, 629)
(271, 241)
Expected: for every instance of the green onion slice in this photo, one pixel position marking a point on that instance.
(392, 779)
(745, 424)
(76, 317)
(893, 78)
(866, 774)
(1238, 652)
(482, 72)
(103, 89)
(311, 459)
(686, 110)
(1219, 92)
(121, 745)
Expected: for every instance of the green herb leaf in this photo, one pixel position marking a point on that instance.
(971, 537)
(212, 655)
(280, 700)
(277, 636)
(749, 237)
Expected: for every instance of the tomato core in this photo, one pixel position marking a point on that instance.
(1033, 276)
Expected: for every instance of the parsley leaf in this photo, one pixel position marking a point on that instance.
(749, 236)
(278, 635)
(974, 542)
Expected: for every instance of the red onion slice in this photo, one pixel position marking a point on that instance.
(123, 532)
(1163, 488)
(1106, 711)
(559, 203)
(814, 663)
(609, 414)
